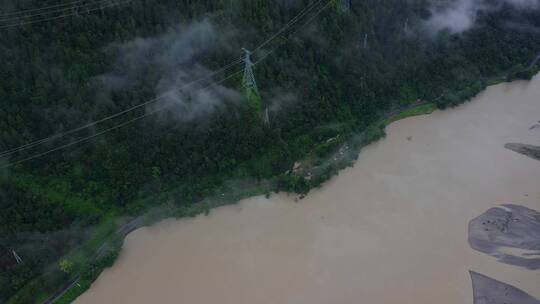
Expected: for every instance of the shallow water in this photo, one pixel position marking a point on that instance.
(393, 229)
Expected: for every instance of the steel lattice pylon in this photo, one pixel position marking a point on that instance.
(16, 256)
(249, 78)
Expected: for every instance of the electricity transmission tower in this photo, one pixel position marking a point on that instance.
(251, 84)
(266, 117)
(249, 78)
(16, 256)
(365, 41)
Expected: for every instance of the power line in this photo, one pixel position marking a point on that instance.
(40, 8)
(289, 24)
(60, 135)
(317, 13)
(118, 126)
(57, 10)
(295, 31)
(112, 4)
(65, 15)
(68, 132)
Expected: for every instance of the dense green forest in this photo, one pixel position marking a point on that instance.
(332, 77)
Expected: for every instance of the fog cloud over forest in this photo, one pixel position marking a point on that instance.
(457, 16)
(172, 61)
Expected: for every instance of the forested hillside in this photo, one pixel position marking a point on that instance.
(337, 74)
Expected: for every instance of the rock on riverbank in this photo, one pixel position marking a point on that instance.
(528, 150)
(509, 232)
(490, 291)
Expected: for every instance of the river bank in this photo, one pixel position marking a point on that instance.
(338, 161)
(395, 221)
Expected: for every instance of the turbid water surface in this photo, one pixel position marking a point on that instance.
(391, 230)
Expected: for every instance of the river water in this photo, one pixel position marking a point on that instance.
(390, 230)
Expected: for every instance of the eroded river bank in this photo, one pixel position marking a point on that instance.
(392, 229)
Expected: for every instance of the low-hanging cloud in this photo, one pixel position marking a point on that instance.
(172, 62)
(457, 16)
(281, 100)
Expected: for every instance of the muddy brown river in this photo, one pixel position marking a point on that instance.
(390, 230)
